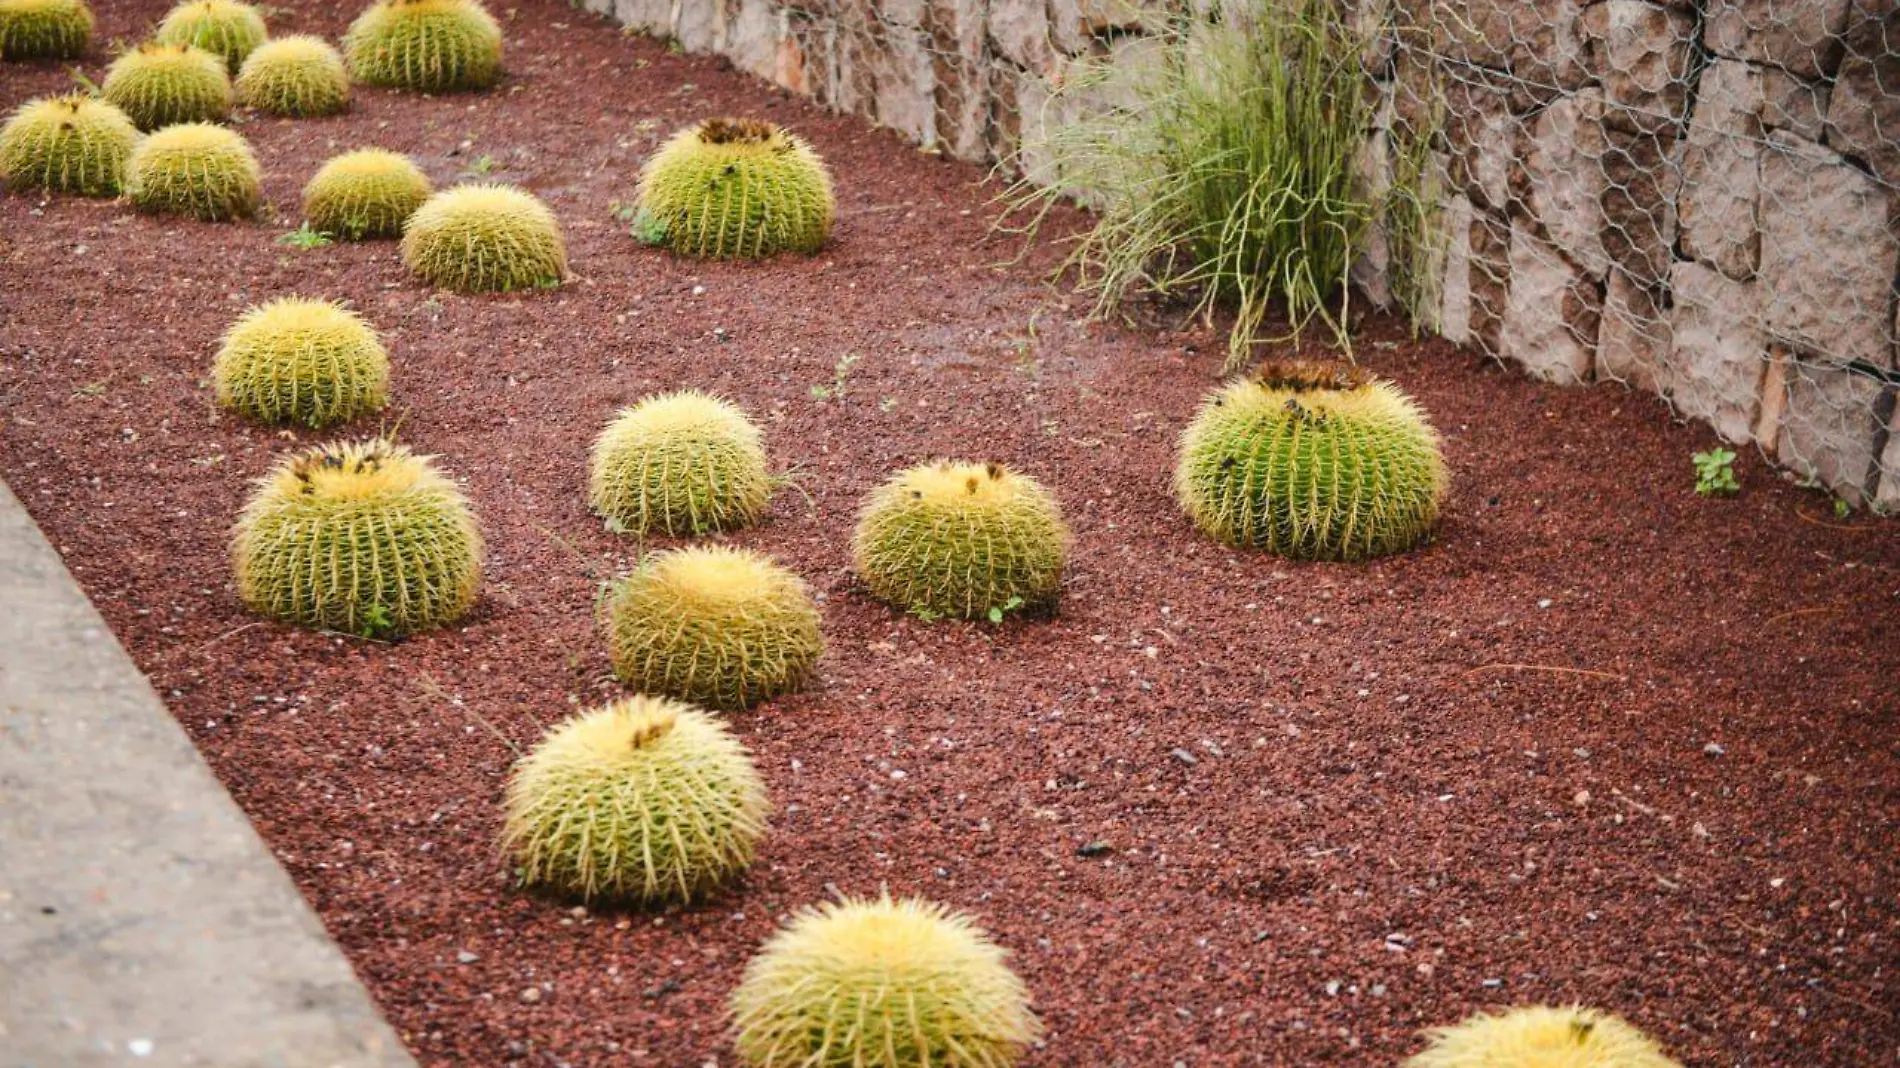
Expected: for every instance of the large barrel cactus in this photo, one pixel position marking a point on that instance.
(44, 29)
(301, 361)
(680, 464)
(485, 238)
(161, 85)
(646, 800)
(370, 192)
(1312, 460)
(735, 188)
(1541, 1037)
(225, 28)
(299, 76)
(195, 169)
(430, 46)
(67, 144)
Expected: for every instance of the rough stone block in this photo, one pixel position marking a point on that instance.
(1718, 350)
(1482, 134)
(653, 17)
(1551, 313)
(1489, 281)
(1561, 177)
(1454, 294)
(1799, 36)
(1863, 113)
(1828, 254)
(1019, 32)
(1793, 104)
(1634, 339)
(1370, 271)
(1001, 82)
(1076, 26)
(1537, 41)
(1829, 428)
(955, 30)
(1887, 500)
(1640, 52)
(752, 38)
(1721, 165)
(1642, 183)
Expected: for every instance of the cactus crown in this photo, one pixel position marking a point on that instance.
(370, 192)
(196, 169)
(485, 238)
(1313, 461)
(430, 46)
(224, 27)
(356, 471)
(161, 85)
(735, 188)
(44, 29)
(882, 982)
(646, 799)
(680, 463)
(961, 539)
(303, 361)
(67, 144)
(722, 627)
(1542, 1037)
(297, 76)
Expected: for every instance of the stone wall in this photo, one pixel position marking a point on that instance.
(1695, 197)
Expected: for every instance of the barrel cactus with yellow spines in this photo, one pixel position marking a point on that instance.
(735, 188)
(370, 192)
(720, 627)
(1542, 1037)
(195, 169)
(301, 361)
(644, 801)
(225, 28)
(680, 464)
(44, 29)
(1312, 460)
(362, 538)
(961, 539)
(430, 46)
(299, 76)
(164, 84)
(67, 144)
(485, 238)
(882, 984)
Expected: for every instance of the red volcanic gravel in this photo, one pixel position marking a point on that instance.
(1605, 741)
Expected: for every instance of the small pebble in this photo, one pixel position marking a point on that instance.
(1184, 756)
(465, 957)
(1714, 749)
(531, 994)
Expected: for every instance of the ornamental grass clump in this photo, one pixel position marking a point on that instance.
(301, 361)
(882, 984)
(370, 192)
(1542, 1037)
(961, 539)
(195, 169)
(164, 84)
(44, 29)
(485, 238)
(225, 28)
(299, 77)
(646, 801)
(735, 188)
(363, 538)
(67, 144)
(679, 464)
(430, 46)
(724, 628)
(1312, 460)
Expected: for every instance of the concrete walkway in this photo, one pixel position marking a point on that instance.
(142, 920)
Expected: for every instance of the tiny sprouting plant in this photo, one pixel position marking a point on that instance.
(1715, 473)
(305, 237)
(839, 372)
(997, 612)
(376, 622)
(886, 404)
(483, 166)
(1842, 509)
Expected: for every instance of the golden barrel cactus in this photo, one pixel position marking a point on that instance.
(299, 76)
(430, 46)
(67, 144)
(681, 464)
(227, 29)
(1541, 1037)
(485, 238)
(44, 29)
(195, 169)
(162, 85)
(370, 192)
(735, 188)
(301, 361)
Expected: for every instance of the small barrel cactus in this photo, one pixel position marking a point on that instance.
(195, 169)
(882, 984)
(67, 144)
(1312, 460)
(430, 46)
(680, 464)
(646, 800)
(160, 85)
(720, 627)
(370, 192)
(1542, 1037)
(44, 29)
(300, 76)
(225, 28)
(365, 538)
(959, 539)
(301, 361)
(485, 238)
(735, 188)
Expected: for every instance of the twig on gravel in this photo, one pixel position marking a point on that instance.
(428, 685)
(1547, 667)
(231, 634)
(1822, 610)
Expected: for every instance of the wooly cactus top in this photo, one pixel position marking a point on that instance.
(1314, 461)
(735, 188)
(646, 800)
(961, 539)
(67, 144)
(680, 463)
(163, 84)
(370, 192)
(301, 361)
(364, 538)
(195, 169)
(485, 238)
(1542, 1037)
(430, 46)
(299, 76)
(229, 29)
(720, 627)
(891, 984)
(44, 29)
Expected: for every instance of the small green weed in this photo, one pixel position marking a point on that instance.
(483, 166)
(1715, 473)
(836, 389)
(997, 612)
(303, 237)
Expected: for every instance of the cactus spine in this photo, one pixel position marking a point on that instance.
(735, 188)
(680, 464)
(485, 238)
(430, 46)
(301, 361)
(366, 193)
(67, 144)
(161, 85)
(1542, 1037)
(298, 76)
(44, 29)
